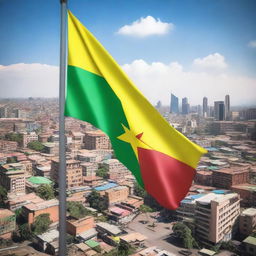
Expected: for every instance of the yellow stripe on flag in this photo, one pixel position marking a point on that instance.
(87, 53)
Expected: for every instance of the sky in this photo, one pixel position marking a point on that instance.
(191, 48)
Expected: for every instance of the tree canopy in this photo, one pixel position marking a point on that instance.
(77, 210)
(97, 201)
(3, 196)
(36, 145)
(45, 191)
(102, 172)
(41, 223)
(182, 232)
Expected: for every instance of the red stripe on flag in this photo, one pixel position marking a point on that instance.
(165, 178)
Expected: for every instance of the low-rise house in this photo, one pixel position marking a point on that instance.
(46, 238)
(134, 239)
(32, 210)
(7, 223)
(247, 221)
(76, 227)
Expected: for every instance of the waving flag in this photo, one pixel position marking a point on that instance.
(99, 92)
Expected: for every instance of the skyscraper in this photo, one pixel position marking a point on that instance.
(174, 108)
(219, 110)
(185, 106)
(205, 107)
(227, 107)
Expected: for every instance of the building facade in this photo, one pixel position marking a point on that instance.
(216, 217)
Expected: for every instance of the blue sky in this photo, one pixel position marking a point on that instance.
(30, 32)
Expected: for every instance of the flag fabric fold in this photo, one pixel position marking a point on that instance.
(162, 160)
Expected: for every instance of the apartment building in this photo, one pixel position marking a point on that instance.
(96, 140)
(115, 169)
(228, 177)
(12, 178)
(216, 217)
(74, 173)
(6, 145)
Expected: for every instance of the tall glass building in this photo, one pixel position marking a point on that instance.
(174, 106)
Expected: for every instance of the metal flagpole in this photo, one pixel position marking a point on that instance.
(62, 146)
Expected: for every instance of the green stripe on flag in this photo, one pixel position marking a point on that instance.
(91, 99)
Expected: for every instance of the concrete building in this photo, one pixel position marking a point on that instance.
(28, 137)
(250, 246)
(32, 210)
(115, 168)
(174, 106)
(89, 169)
(3, 112)
(219, 110)
(7, 146)
(117, 194)
(187, 207)
(247, 194)
(96, 140)
(203, 178)
(15, 202)
(76, 227)
(74, 173)
(247, 221)
(7, 223)
(205, 107)
(228, 177)
(12, 178)
(216, 217)
(185, 106)
(227, 107)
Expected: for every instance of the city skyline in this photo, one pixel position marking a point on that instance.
(196, 51)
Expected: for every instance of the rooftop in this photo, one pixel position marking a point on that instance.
(249, 212)
(250, 240)
(42, 205)
(4, 213)
(233, 170)
(49, 236)
(133, 237)
(39, 180)
(115, 230)
(91, 243)
(247, 186)
(106, 186)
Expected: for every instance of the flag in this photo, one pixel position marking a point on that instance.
(162, 160)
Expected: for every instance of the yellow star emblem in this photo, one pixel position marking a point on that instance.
(130, 137)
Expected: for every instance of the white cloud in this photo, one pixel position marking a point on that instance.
(24, 80)
(146, 27)
(157, 80)
(252, 44)
(212, 61)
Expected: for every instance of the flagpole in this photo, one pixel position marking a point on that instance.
(62, 146)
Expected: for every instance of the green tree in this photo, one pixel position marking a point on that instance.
(97, 201)
(45, 191)
(145, 208)
(25, 232)
(102, 172)
(36, 145)
(139, 191)
(41, 223)
(77, 210)
(11, 160)
(3, 196)
(182, 232)
(14, 137)
(125, 249)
